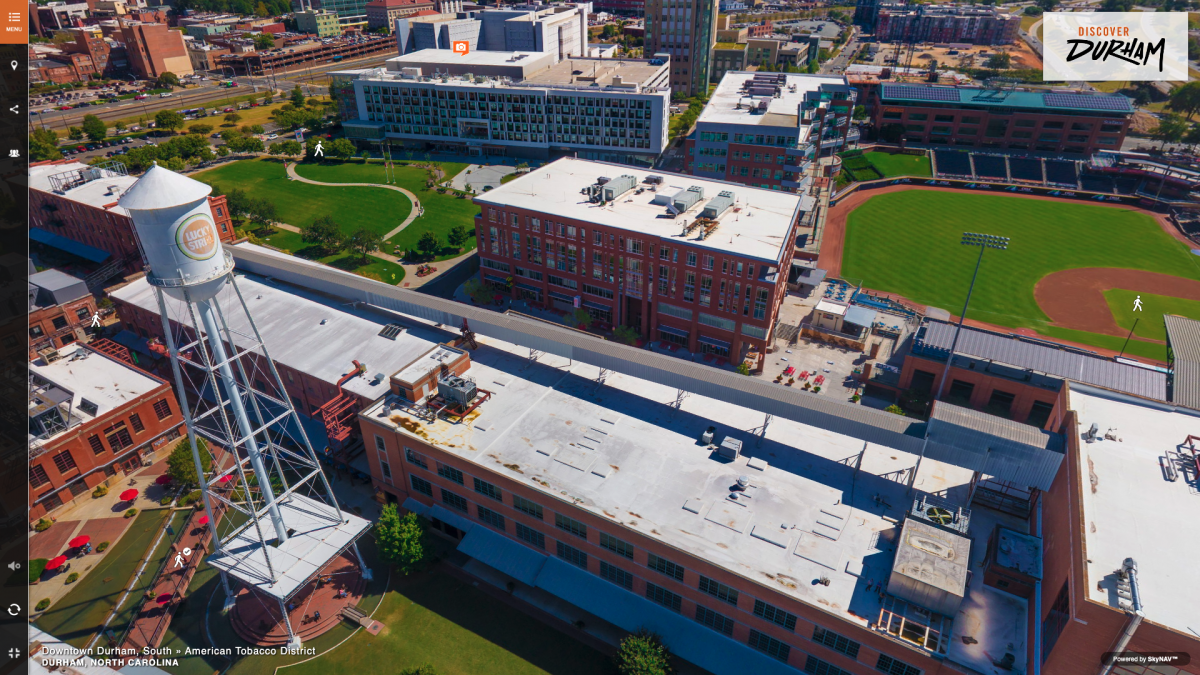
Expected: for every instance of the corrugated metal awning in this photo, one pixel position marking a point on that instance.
(597, 305)
(517, 561)
(416, 507)
(674, 331)
(495, 278)
(1017, 453)
(860, 316)
(527, 287)
(712, 341)
(451, 518)
(562, 296)
(1183, 337)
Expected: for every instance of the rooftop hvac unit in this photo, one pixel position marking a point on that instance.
(653, 179)
(730, 448)
(718, 205)
(688, 198)
(610, 189)
(457, 389)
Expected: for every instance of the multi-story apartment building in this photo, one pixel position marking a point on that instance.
(687, 31)
(319, 22)
(383, 13)
(60, 311)
(516, 104)
(1018, 120)
(895, 22)
(154, 49)
(296, 56)
(91, 417)
(696, 263)
(78, 202)
(636, 8)
(561, 30)
(764, 129)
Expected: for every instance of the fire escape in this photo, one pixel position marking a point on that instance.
(338, 416)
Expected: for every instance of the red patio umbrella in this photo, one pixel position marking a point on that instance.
(202, 520)
(129, 495)
(164, 598)
(163, 479)
(79, 541)
(225, 479)
(56, 563)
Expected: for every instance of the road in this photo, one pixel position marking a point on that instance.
(838, 64)
(195, 97)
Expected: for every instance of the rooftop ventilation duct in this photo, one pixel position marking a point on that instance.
(718, 205)
(687, 199)
(610, 189)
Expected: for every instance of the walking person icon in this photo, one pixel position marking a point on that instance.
(318, 151)
(180, 556)
(1137, 304)
(96, 320)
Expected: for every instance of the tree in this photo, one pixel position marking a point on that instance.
(363, 242)
(251, 129)
(1047, 5)
(643, 653)
(743, 368)
(895, 409)
(579, 318)
(75, 133)
(458, 236)
(169, 120)
(238, 202)
(263, 213)
(998, 62)
(297, 97)
(324, 232)
(400, 540)
(261, 10)
(43, 145)
(1185, 99)
(168, 80)
(263, 42)
(1193, 49)
(342, 148)
(176, 164)
(626, 335)
(233, 118)
(1117, 6)
(478, 291)
(292, 148)
(202, 129)
(420, 670)
(1171, 129)
(1032, 11)
(1193, 135)
(429, 244)
(609, 32)
(94, 127)
(860, 112)
(181, 466)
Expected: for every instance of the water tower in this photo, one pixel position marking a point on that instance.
(280, 525)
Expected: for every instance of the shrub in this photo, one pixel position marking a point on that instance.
(895, 409)
(72, 577)
(101, 546)
(36, 567)
(43, 604)
(131, 513)
(190, 498)
(42, 525)
(817, 389)
(100, 491)
(855, 398)
(643, 653)
(165, 500)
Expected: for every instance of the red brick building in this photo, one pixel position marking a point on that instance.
(689, 262)
(154, 49)
(946, 23)
(60, 311)
(90, 422)
(383, 13)
(79, 202)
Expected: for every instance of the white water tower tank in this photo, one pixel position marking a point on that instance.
(178, 234)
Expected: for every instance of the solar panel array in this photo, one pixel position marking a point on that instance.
(1114, 103)
(920, 93)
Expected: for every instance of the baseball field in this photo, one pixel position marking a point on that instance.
(1072, 269)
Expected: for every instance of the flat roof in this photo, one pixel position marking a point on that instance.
(758, 228)
(1183, 337)
(479, 57)
(311, 333)
(107, 382)
(97, 193)
(1044, 102)
(1130, 511)
(600, 70)
(783, 111)
(624, 453)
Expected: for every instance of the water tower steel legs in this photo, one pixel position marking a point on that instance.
(293, 639)
(191, 434)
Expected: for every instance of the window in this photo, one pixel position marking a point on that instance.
(615, 545)
(59, 322)
(691, 259)
(775, 615)
(64, 462)
(571, 554)
(717, 622)
(531, 536)
(453, 501)
(1056, 620)
(421, 485)
(162, 409)
(664, 566)
(413, 458)
(118, 437)
(136, 422)
(97, 446)
(769, 645)
(887, 664)
(816, 666)
(570, 525)
(488, 490)
(718, 590)
(663, 597)
(385, 468)
(380, 445)
(37, 476)
(450, 473)
(490, 517)
(527, 507)
(616, 575)
(836, 642)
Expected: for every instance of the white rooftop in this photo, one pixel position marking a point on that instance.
(723, 104)
(831, 307)
(757, 226)
(622, 453)
(98, 193)
(311, 333)
(1131, 511)
(479, 57)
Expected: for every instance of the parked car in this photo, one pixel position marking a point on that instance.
(139, 97)
(165, 95)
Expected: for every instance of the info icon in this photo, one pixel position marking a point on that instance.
(461, 47)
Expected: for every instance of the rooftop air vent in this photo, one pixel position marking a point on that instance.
(653, 179)
(458, 389)
(730, 448)
(390, 331)
(88, 407)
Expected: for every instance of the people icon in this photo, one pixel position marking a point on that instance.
(1137, 304)
(96, 320)
(318, 151)
(179, 557)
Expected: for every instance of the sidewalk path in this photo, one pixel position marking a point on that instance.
(412, 215)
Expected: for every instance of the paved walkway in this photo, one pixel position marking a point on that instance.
(479, 176)
(412, 215)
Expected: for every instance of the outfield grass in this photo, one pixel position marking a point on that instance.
(908, 243)
(442, 212)
(79, 614)
(1150, 323)
(889, 165)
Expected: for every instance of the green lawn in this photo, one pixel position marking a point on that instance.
(77, 616)
(134, 602)
(442, 212)
(889, 165)
(908, 243)
(1150, 323)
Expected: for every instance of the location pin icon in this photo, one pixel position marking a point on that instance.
(14, 64)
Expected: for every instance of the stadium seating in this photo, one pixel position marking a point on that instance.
(1025, 169)
(990, 167)
(1097, 183)
(1061, 172)
(952, 163)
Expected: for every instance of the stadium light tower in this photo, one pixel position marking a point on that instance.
(984, 242)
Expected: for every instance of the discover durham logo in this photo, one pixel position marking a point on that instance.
(1115, 46)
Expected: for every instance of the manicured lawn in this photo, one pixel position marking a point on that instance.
(299, 203)
(134, 602)
(909, 243)
(442, 212)
(77, 616)
(1150, 323)
(899, 165)
(350, 262)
